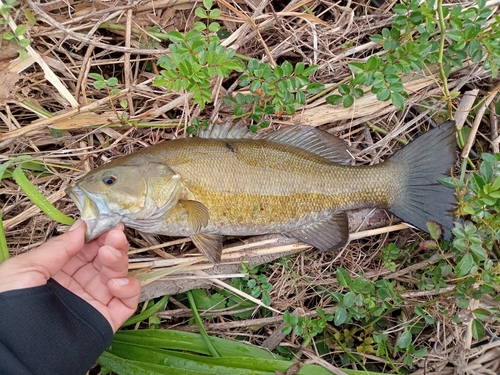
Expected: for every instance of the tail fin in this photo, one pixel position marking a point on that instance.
(422, 162)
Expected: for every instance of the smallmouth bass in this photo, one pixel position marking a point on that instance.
(296, 181)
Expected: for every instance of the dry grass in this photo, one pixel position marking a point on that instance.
(57, 116)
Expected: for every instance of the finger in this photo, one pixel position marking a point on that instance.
(91, 249)
(51, 257)
(110, 263)
(126, 293)
(117, 239)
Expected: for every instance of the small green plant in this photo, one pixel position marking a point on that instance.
(305, 326)
(196, 58)
(417, 40)
(6, 7)
(255, 282)
(273, 91)
(365, 299)
(109, 84)
(18, 38)
(101, 83)
(389, 255)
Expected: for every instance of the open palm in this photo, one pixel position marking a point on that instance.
(95, 271)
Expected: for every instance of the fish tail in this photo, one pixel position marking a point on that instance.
(422, 198)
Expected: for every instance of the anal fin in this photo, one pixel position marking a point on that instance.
(330, 234)
(209, 245)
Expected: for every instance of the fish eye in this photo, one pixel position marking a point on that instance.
(109, 180)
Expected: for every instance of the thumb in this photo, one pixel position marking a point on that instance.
(57, 251)
(37, 266)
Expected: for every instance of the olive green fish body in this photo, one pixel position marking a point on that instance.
(295, 181)
(256, 186)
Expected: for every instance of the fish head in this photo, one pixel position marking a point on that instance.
(124, 193)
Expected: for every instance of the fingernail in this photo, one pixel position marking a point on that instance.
(116, 252)
(75, 225)
(120, 282)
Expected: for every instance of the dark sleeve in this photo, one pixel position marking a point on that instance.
(49, 330)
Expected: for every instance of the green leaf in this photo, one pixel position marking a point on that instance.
(400, 9)
(113, 81)
(314, 87)
(24, 42)
(404, 340)
(215, 13)
(344, 89)
(175, 36)
(398, 100)
(356, 67)
(287, 68)
(334, 99)
(299, 68)
(358, 93)
(477, 329)
(200, 12)
(96, 76)
(208, 4)
(434, 230)
(340, 316)
(205, 301)
(214, 27)
(348, 101)
(464, 265)
(343, 277)
(372, 63)
(20, 30)
(383, 94)
(310, 70)
(360, 78)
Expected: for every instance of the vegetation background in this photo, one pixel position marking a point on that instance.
(86, 82)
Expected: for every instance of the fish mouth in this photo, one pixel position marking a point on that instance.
(93, 211)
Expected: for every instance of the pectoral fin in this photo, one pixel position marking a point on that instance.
(209, 245)
(330, 234)
(198, 214)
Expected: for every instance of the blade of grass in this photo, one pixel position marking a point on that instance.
(199, 323)
(173, 361)
(38, 199)
(4, 250)
(189, 341)
(146, 314)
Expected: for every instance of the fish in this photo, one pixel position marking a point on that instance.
(298, 181)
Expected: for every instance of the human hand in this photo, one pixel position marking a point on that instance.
(95, 271)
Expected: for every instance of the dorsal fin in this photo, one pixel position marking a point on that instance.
(313, 140)
(226, 130)
(305, 137)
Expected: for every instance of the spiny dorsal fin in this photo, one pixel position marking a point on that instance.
(226, 130)
(209, 245)
(330, 234)
(198, 214)
(307, 138)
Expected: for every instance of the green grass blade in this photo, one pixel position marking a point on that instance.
(146, 314)
(188, 341)
(38, 199)
(122, 366)
(199, 323)
(186, 353)
(4, 250)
